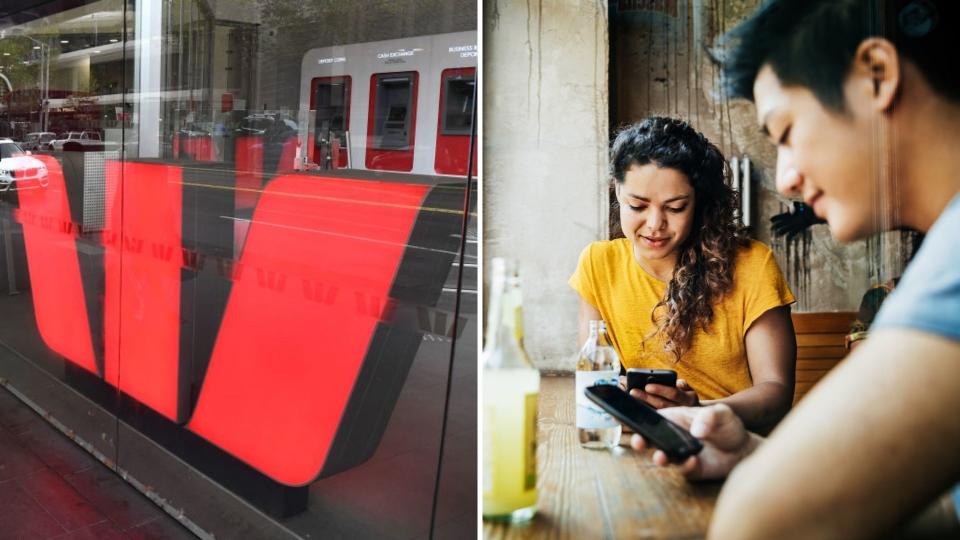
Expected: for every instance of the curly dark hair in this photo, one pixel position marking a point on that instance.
(705, 263)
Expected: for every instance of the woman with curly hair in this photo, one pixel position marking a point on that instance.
(685, 289)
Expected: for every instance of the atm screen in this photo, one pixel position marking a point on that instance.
(397, 114)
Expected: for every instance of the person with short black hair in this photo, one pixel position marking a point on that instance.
(862, 100)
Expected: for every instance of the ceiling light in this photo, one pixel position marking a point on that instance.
(6, 54)
(64, 41)
(113, 41)
(36, 47)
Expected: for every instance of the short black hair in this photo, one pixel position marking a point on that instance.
(811, 43)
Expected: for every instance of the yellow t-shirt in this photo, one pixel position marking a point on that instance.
(715, 365)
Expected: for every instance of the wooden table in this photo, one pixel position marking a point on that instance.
(603, 494)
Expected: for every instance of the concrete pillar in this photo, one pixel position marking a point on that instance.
(545, 92)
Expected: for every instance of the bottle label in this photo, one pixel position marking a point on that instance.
(590, 416)
(530, 442)
(528, 452)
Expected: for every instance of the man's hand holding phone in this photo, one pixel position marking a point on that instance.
(725, 440)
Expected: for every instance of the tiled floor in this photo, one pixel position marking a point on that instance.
(51, 488)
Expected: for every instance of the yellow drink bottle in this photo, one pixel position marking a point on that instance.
(511, 386)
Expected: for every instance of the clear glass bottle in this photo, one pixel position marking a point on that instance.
(598, 363)
(511, 387)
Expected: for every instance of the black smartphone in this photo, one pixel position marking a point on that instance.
(659, 432)
(641, 377)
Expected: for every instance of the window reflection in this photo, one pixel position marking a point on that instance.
(240, 243)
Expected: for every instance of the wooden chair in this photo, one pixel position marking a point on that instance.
(819, 346)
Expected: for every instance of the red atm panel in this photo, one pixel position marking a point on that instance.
(392, 121)
(52, 262)
(249, 152)
(257, 155)
(319, 252)
(453, 122)
(198, 147)
(288, 155)
(142, 272)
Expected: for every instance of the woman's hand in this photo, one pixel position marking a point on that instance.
(725, 440)
(660, 396)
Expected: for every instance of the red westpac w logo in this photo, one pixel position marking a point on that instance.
(291, 343)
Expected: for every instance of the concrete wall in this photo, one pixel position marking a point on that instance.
(544, 146)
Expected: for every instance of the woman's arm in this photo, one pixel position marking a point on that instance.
(587, 313)
(771, 355)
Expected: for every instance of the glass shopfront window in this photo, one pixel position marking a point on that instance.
(240, 256)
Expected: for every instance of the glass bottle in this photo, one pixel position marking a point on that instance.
(511, 386)
(598, 363)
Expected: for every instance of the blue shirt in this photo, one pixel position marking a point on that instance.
(928, 295)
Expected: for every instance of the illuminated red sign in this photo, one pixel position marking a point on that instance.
(54, 268)
(291, 345)
(142, 274)
(285, 362)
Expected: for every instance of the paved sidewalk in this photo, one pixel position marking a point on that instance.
(51, 488)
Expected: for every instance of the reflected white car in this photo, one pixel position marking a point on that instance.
(77, 140)
(38, 141)
(18, 170)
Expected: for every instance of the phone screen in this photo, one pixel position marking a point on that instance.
(661, 433)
